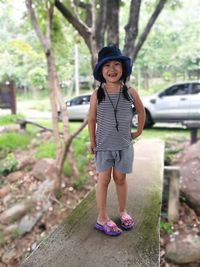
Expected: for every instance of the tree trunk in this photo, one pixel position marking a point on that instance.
(131, 28)
(113, 22)
(100, 23)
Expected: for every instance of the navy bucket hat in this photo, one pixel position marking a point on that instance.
(111, 53)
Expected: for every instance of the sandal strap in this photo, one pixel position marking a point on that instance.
(111, 228)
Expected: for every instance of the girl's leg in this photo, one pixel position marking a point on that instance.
(121, 188)
(101, 195)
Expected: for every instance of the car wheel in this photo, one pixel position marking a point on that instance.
(135, 120)
(148, 122)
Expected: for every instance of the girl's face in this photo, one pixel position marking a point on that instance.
(112, 71)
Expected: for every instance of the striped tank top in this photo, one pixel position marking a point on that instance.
(107, 136)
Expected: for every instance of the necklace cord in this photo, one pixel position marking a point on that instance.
(114, 107)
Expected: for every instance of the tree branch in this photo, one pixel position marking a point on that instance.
(79, 25)
(148, 27)
(88, 9)
(67, 146)
(36, 26)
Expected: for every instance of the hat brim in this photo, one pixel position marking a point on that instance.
(127, 65)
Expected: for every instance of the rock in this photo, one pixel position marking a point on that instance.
(15, 176)
(190, 176)
(44, 189)
(9, 255)
(184, 250)
(9, 128)
(28, 161)
(45, 169)
(14, 213)
(4, 191)
(7, 200)
(10, 228)
(28, 222)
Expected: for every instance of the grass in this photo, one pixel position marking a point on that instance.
(10, 119)
(164, 133)
(45, 150)
(12, 140)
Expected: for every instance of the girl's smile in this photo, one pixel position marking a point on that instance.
(112, 71)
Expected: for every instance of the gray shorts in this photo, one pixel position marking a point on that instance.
(121, 160)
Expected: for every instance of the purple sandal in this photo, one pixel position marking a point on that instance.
(127, 221)
(107, 229)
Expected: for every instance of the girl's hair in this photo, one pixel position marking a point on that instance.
(101, 93)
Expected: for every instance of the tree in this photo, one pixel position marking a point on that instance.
(43, 32)
(102, 19)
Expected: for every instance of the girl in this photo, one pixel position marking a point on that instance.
(109, 124)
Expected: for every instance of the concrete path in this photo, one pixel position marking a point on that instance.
(75, 243)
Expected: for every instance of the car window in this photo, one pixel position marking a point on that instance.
(80, 100)
(180, 89)
(86, 99)
(196, 88)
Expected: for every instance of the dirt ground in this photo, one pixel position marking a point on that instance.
(14, 248)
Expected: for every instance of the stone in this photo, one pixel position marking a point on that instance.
(10, 228)
(184, 250)
(28, 222)
(45, 169)
(9, 255)
(14, 176)
(44, 189)
(190, 180)
(4, 191)
(7, 200)
(28, 161)
(14, 213)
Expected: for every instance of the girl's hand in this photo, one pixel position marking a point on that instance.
(91, 149)
(135, 134)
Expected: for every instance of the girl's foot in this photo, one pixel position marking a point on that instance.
(108, 228)
(127, 221)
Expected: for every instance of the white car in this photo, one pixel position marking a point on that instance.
(177, 103)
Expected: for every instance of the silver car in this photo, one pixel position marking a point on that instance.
(177, 103)
(78, 107)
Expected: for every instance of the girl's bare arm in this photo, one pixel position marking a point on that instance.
(92, 121)
(140, 111)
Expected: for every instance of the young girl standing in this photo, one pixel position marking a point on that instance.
(109, 124)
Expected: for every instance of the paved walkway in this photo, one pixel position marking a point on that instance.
(75, 243)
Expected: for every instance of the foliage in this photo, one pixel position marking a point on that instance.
(7, 165)
(171, 51)
(166, 227)
(78, 185)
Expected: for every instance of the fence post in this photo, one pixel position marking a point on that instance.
(173, 175)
